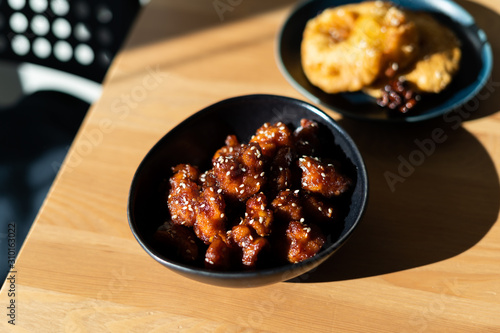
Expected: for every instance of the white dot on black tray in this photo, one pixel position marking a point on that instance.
(61, 28)
(40, 25)
(82, 32)
(84, 54)
(63, 51)
(59, 7)
(20, 45)
(42, 47)
(18, 22)
(38, 6)
(16, 4)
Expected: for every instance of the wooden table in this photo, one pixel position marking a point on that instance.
(426, 256)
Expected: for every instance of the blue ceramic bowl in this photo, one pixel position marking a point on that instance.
(475, 66)
(196, 139)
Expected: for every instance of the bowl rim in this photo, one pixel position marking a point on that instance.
(305, 265)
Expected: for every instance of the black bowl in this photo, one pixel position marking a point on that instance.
(196, 139)
(475, 65)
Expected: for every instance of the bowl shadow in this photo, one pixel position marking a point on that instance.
(428, 202)
(178, 20)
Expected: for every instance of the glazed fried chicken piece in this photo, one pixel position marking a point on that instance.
(210, 218)
(251, 244)
(240, 172)
(207, 179)
(271, 137)
(219, 254)
(306, 138)
(179, 239)
(232, 144)
(282, 203)
(287, 206)
(322, 178)
(183, 194)
(280, 172)
(318, 208)
(303, 241)
(257, 215)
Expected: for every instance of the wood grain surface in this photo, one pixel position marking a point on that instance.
(425, 258)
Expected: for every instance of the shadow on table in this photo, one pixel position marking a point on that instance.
(35, 135)
(425, 204)
(196, 15)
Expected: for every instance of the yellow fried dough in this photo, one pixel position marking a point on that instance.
(347, 48)
(437, 62)
(439, 56)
